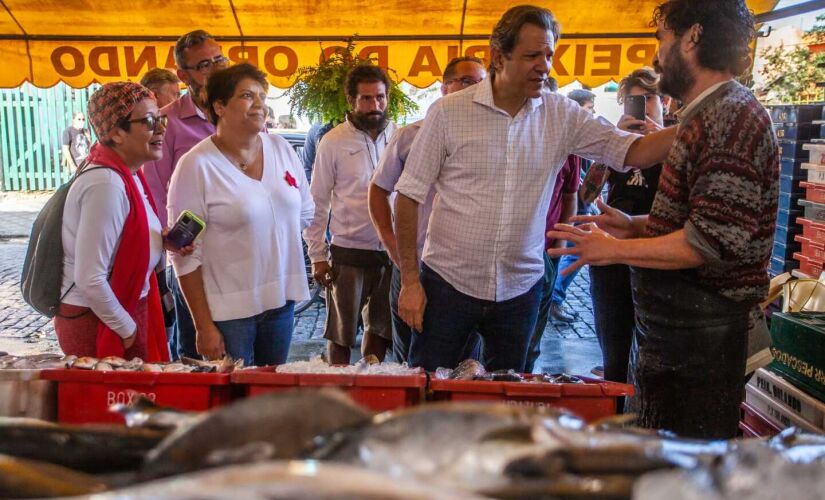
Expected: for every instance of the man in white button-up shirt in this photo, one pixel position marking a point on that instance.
(493, 152)
(353, 265)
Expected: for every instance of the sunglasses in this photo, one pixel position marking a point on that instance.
(207, 64)
(151, 121)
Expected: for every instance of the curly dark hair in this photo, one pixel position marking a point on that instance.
(366, 73)
(727, 30)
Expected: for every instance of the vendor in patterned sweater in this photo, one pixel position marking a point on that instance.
(699, 259)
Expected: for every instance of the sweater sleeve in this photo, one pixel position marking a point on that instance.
(723, 206)
(103, 210)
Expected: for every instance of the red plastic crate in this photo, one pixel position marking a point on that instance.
(814, 231)
(377, 392)
(808, 266)
(814, 191)
(592, 400)
(84, 396)
(757, 423)
(747, 431)
(814, 250)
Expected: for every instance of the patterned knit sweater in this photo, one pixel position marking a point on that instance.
(720, 183)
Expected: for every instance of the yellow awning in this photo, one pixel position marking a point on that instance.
(81, 42)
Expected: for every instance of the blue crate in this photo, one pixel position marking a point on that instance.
(790, 184)
(779, 266)
(792, 168)
(785, 251)
(789, 200)
(796, 131)
(804, 113)
(785, 234)
(791, 149)
(787, 218)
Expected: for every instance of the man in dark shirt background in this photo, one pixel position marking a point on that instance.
(75, 142)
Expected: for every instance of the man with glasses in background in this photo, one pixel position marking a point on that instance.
(76, 141)
(197, 55)
(460, 73)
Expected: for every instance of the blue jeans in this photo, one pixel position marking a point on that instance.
(563, 282)
(451, 318)
(184, 341)
(262, 339)
(534, 350)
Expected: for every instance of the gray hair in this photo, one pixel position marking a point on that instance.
(505, 34)
(187, 41)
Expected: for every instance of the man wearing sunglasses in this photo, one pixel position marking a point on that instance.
(197, 56)
(76, 142)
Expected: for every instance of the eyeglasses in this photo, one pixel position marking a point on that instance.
(465, 81)
(151, 121)
(207, 64)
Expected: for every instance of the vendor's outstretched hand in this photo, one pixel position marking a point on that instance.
(592, 245)
(612, 220)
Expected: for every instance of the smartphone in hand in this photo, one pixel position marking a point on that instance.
(634, 105)
(186, 229)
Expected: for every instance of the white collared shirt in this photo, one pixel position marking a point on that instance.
(344, 165)
(494, 176)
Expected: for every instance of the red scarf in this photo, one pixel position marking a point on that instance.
(130, 264)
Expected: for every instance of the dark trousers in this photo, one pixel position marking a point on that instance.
(547, 287)
(451, 318)
(185, 338)
(402, 333)
(687, 360)
(614, 317)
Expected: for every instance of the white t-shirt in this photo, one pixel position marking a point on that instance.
(95, 211)
(250, 252)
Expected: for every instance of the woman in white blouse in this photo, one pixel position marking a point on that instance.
(112, 238)
(250, 189)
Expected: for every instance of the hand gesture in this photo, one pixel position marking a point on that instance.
(612, 220)
(592, 245)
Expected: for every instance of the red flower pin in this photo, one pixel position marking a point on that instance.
(290, 180)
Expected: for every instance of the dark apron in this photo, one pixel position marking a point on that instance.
(687, 360)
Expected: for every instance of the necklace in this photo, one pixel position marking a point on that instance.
(233, 159)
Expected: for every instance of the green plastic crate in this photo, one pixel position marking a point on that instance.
(799, 350)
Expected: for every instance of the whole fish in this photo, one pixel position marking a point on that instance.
(145, 413)
(279, 425)
(86, 448)
(296, 480)
(461, 445)
(21, 478)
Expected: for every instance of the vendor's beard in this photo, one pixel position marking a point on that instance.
(676, 79)
(198, 94)
(376, 120)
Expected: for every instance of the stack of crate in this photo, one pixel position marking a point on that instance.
(790, 391)
(811, 140)
(794, 127)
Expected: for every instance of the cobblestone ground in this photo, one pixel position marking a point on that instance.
(568, 347)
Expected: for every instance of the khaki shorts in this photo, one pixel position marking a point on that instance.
(357, 290)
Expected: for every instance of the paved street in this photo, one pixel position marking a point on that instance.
(568, 348)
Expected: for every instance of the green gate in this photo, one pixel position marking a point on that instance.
(31, 123)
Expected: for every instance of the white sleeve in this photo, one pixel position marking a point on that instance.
(103, 211)
(390, 166)
(426, 156)
(187, 192)
(323, 181)
(597, 139)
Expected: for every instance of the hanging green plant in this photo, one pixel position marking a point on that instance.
(319, 96)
